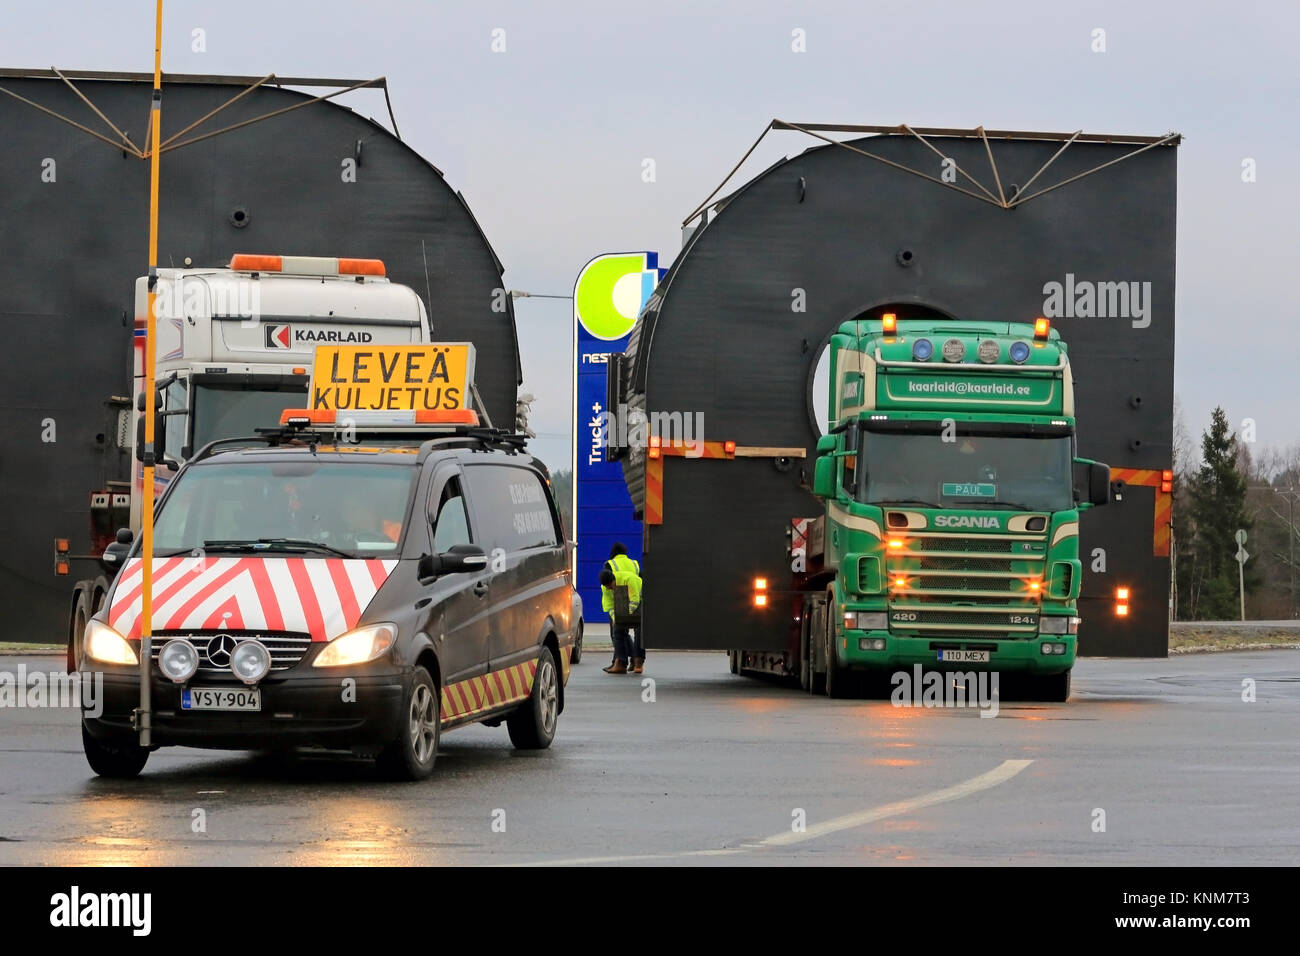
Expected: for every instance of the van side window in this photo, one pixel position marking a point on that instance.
(451, 526)
(513, 508)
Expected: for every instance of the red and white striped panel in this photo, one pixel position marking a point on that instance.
(323, 597)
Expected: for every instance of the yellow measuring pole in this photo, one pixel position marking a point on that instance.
(145, 722)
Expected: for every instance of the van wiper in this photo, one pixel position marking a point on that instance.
(267, 544)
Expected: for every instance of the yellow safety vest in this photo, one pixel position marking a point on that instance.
(626, 572)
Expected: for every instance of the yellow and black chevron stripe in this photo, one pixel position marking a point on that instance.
(478, 695)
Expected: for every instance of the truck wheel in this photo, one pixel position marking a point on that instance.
(532, 725)
(77, 621)
(876, 683)
(733, 661)
(816, 628)
(1051, 688)
(118, 761)
(411, 756)
(805, 652)
(575, 654)
(837, 678)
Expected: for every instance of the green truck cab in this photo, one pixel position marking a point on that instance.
(951, 533)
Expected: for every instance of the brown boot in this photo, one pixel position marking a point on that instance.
(638, 665)
(618, 667)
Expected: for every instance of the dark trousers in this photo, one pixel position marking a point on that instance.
(636, 644)
(622, 642)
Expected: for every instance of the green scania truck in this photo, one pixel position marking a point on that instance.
(953, 497)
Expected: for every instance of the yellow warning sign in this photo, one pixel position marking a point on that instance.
(392, 377)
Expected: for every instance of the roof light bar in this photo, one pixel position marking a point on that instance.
(306, 265)
(378, 419)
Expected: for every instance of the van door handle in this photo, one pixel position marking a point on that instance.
(481, 588)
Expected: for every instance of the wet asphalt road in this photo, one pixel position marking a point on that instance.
(715, 770)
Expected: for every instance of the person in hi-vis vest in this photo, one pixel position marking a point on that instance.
(621, 570)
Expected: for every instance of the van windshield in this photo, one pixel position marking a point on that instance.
(352, 509)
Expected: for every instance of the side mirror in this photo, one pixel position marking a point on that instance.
(159, 431)
(461, 557)
(1095, 478)
(824, 477)
(159, 427)
(115, 554)
(1098, 484)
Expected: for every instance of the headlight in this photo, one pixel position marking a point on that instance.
(1019, 351)
(178, 660)
(922, 349)
(103, 644)
(357, 647)
(250, 661)
(865, 620)
(1058, 625)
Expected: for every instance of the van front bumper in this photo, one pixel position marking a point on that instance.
(307, 711)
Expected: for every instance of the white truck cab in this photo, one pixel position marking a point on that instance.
(231, 342)
(234, 347)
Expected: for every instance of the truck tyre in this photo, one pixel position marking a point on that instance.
(838, 678)
(575, 654)
(816, 627)
(118, 761)
(876, 683)
(1051, 688)
(733, 661)
(532, 724)
(805, 647)
(77, 620)
(411, 756)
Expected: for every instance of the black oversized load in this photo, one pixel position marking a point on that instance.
(319, 180)
(953, 224)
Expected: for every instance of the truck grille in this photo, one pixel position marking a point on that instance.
(286, 647)
(965, 617)
(966, 583)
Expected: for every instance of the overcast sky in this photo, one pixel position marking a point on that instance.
(547, 138)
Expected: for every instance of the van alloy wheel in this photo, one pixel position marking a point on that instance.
(423, 723)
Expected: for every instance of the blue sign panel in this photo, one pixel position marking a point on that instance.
(607, 298)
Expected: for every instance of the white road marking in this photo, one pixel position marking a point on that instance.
(999, 774)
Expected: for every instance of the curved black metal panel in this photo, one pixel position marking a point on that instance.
(71, 248)
(838, 234)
